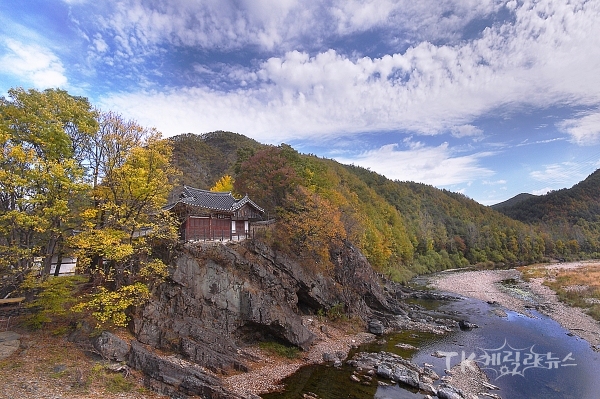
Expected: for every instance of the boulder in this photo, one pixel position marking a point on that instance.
(465, 325)
(446, 391)
(406, 376)
(384, 371)
(176, 377)
(9, 343)
(427, 388)
(111, 347)
(376, 327)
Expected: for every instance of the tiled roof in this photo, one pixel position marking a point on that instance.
(212, 200)
(244, 201)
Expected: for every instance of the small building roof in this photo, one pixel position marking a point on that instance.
(217, 201)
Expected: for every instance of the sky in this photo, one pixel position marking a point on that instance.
(483, 97)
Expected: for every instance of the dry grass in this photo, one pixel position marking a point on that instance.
(579, 287)
(536, 271)
(48, 366)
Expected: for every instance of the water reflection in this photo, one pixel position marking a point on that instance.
(538, 334)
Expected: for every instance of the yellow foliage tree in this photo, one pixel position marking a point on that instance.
(41, 178)
(125, 222)
(310, 224)
(225, 184)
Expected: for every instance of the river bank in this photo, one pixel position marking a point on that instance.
(490, 286)
(267, 370)
(522, 296)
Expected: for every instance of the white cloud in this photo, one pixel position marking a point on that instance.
(544, 58)
(431, 165)
(466, 131)
(280, 24)
(584, 130)
(493, 183)
(33, 64)
(542, 191)
(213, 24)
(558, 173)
(100, 45)
(429, 20)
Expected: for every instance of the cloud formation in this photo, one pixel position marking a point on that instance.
(557, 173)
(280, 24)
(437, 166)
(472, 74)
(584, 130)
(32, 63)
(427, 89)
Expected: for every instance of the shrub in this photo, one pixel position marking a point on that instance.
(54, 296)
(110, 307)
(118, 383)
(275, 348)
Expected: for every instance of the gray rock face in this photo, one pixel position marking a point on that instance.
(176, 378)
(214, 297)
(220, 295)
(111, 347)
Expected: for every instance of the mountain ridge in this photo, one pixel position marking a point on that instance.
(403, 228)
(512, 201)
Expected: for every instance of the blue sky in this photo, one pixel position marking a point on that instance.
(487, 98)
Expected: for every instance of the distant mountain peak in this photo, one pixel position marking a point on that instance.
(513, 201)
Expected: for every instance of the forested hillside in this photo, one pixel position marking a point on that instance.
(403, 228)
(570, 216)
(203, 159)
(79, 182)
(512, 201)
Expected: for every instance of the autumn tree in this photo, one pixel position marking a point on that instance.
(132, 177)
(309, 224)
(224, 184)
(41, 180)
(267, 177)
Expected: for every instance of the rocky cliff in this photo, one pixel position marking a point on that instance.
(223, 296)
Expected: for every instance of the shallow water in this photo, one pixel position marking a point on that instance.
(549, 364)
(527, 357)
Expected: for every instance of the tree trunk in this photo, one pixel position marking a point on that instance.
(58, 263)
(48, 257)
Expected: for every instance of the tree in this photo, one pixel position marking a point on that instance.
(133, 177)
(124, 224)
(225, 184)
(267, 177)
(309, 225)
(41, 180)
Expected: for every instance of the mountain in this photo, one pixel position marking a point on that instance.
(403, 228)
(512, 201)
(569, 215)
(582, 201)
(205, 158)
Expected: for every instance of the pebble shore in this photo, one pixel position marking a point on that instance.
(485, 285)
(266, 373)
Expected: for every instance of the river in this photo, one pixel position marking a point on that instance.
(527, 357)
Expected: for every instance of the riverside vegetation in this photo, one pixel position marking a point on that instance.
(78, 181)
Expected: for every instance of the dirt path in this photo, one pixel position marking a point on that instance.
(485, 285)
